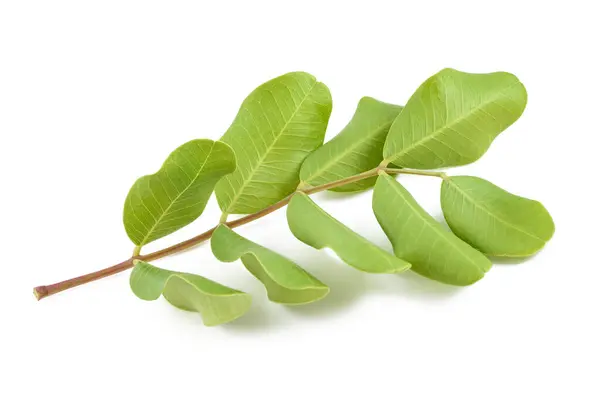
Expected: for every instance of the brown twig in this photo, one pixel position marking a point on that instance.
(44, 291)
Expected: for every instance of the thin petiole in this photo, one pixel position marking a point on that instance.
(415, 172)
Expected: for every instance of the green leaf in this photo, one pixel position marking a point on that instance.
(284, 280)
(217, 304)
(357, 148)
(418, 238)
(452, 119)
(493, 220)
(313, 226)
(278, 125)
(173, 197)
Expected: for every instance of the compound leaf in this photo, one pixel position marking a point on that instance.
(173, 197)
(217, 304)
(313, 226)
(493, 220)
(418, 238)
(357, 148)
(452, 119)
(278, 125)
(284, 280)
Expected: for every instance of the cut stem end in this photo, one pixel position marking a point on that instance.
(40, 292)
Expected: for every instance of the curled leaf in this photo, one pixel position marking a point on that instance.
(313, 226)
(452, 119)
(278, 125)
(217, 304)
(173, 197)
(284, 280)
(421, 240)
(357, 148)
(493, 220)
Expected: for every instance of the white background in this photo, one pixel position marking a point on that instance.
(96, 94)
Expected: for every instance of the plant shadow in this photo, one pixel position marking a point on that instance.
(349, 286)
(346, 286)
(258, 318)
(419, 287)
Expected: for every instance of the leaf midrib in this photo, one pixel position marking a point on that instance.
(437, 132)
(254, 253)
(487, 211)
(437, 230)
(172, 274)
(268, 150)
(166, 211)
(358, 237)
(333, 160)
(254, 250)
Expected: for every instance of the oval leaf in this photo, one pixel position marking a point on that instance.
(357, 148)
(421, 240)
(278, 125)
(313, 226)
(493, 220)
(176, 195)
(284, 280)
(217, 304)
(452, 119)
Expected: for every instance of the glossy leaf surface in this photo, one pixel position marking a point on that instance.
(277, 126)
(161, 203)
(217, 304)
(452, 119)
(313, 226)
(493, 220)
(357, 148)
(419, 239)
(283, 279)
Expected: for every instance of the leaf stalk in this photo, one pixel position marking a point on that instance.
(415, 172)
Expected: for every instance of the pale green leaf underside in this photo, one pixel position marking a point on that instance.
(277, 126)
(283, 279)
(313, 226)
(493, 220)
(419, 239)
(357, 148)
(173, 197)
(217, 304)
(452, 119)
